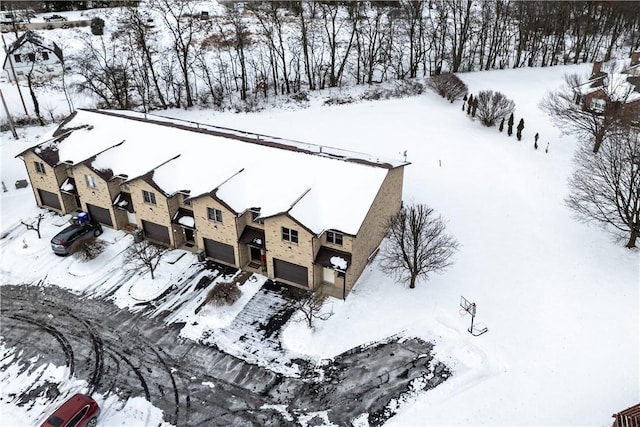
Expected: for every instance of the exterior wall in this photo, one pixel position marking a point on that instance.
(102, 195)
(120, 215)
(50, 181)
(158, 213)
(386, 203)
(632, 112)
(244, 221)
(224, 232)
(302, 253)
(176, 232)
(42, 66)
(588, 98)
(347, 243)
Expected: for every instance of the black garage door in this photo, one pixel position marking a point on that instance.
(291, 272)
(49, 199)
(99, 214)
(156, 232)
(219, 251)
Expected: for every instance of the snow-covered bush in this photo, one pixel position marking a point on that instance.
(224, 293)
(448, 86)
(86, 250)
(401, 89)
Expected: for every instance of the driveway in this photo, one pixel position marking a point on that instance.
(116, 351)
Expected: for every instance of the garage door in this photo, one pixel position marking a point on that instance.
(157, 232)
(49, 199)
(219, 251)
(101, 215)
(291, 272)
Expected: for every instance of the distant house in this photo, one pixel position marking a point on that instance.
(630, 417)
(32, 53)
(616, 92)
(306, 215)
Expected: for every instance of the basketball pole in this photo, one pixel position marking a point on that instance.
(473, 316)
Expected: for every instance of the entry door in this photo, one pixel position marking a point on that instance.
(189, 235)
(329, 275)
(255, 253)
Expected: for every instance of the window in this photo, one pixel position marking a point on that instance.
(149, 197)
(17, 57)
(335, 238)
(255, 213)
(214, 214)
(32, 57)
(598, 104)
(45, 56)
(289, 235)
(185, 201)
(40, 167)
(91, 181)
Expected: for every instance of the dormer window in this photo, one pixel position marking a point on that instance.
(255, 214)
(335, 238)
(185, 200)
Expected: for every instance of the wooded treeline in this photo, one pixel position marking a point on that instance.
(169, 53)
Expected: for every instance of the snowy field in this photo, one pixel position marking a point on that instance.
(560, 298)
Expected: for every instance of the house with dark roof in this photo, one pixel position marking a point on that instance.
(613, 89)
(32, 53)
(307, 215)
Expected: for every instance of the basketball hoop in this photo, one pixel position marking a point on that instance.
(470, 307)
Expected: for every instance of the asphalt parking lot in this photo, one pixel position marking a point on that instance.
(129, 354)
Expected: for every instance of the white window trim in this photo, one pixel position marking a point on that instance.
(152, 197)
(216, 213)
(40, 168)
(333, 235)
(289, 237)
(91, 181)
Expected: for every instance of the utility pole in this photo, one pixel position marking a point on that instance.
(11, 124)
(13, 71)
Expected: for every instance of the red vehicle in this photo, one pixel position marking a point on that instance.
(79, 411)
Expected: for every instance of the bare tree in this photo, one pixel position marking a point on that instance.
(310, 305)
(143, 255)
(493, 106)
(417, 244)
(567, 111)
(448, 86)
(34, 225)
(605, 186)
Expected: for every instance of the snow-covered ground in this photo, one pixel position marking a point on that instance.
(560, 298)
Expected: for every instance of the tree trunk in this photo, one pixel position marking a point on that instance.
(632, 239)
(412, 283)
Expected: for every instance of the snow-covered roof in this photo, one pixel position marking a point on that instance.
(321, 187)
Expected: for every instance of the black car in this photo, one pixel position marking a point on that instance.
(55, 18)
(62, 242)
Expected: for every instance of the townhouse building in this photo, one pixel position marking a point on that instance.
(306, 215)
